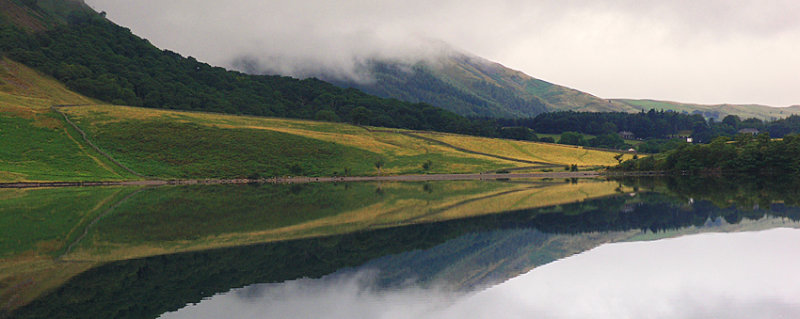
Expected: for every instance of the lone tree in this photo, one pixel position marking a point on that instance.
(379, 165)
(427, 165)
(360, 115)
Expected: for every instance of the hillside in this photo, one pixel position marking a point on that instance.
(37, 144)
(179, 144)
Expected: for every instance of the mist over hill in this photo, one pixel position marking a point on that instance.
(438, 74)
(448, 78)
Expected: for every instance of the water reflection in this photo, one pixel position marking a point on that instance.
(732, 275)
(447, 237)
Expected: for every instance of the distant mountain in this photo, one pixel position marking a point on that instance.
(471, 86)
(717, 112)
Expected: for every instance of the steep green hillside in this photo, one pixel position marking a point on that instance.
(32, 15)
(102, 60)
(473, 86)
(36, 143)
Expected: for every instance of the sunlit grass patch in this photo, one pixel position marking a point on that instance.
(171, 144)
(532, 151)
(20, 81)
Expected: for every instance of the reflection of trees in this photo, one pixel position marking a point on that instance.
(741, 191)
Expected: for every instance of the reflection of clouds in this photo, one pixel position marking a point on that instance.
(740, 275)
(727, 275)
(350, 295)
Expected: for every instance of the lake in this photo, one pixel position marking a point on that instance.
(550, 248)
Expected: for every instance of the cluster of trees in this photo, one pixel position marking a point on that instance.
(651, 124)
(608, 140)
(746, 153)
(661, 130)
(99, 59)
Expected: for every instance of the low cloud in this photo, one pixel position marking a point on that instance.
(696, 51)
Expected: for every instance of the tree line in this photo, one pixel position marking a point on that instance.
(653, 124)
(746, 153)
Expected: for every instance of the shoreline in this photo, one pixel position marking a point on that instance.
(326, 179)
(305, 179)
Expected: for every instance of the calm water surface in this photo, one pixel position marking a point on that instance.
(646, 248)
(719, 275)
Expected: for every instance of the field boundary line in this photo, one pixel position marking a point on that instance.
(86, 139)
(97, 219)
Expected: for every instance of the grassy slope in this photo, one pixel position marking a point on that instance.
(37, 144)
(717, 111)
(540, 152)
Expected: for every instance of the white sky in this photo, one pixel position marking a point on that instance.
(715, 51)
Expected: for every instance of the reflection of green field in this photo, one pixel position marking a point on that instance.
(42, 223)
(169, 219)
(38, 225)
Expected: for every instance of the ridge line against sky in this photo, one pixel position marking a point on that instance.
(708, 52)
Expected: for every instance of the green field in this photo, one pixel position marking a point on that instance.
(170, 144)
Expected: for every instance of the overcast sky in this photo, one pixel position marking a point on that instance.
(717, 51)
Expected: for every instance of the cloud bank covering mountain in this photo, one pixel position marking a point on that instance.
(704, 52)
